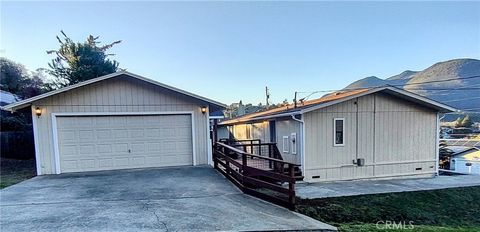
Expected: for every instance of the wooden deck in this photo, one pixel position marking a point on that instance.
(259, 175)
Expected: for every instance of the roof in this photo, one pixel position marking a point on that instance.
(335, 98)
(469, 154)
(7, 97)
(27, 102)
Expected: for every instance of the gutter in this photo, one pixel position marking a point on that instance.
(302, 141)
(437, 143)
(259, 118)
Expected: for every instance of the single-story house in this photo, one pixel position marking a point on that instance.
(465, 160)
(383, 132)
(119, 121)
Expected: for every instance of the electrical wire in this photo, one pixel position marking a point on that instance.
(402, 85)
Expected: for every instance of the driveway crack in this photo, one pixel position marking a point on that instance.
(160, 223)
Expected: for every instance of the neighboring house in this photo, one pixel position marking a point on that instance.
(466, 160)
(369, 133)
(119, 121)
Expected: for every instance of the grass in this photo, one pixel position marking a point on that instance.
(454, 209)
(14, 171)
(422, 228)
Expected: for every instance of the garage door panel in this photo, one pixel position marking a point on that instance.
(104, 148)
(86, 135)
(68, 136)
(120, 134)
(105, 163)
(86, 149)
(92, 143)
(121, 147)
(104, 134)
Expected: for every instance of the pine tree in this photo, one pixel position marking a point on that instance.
(77, 62)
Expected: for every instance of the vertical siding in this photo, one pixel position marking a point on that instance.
(394, 137)
(285, 127)
(120, 94)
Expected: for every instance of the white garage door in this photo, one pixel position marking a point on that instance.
(92, 143)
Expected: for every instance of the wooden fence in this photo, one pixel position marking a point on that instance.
(17, 145)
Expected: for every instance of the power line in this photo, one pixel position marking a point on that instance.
(407, 84)
(462, 99)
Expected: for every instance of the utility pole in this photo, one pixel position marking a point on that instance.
(295, 100)
(267, 94)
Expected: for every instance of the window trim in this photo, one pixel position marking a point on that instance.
(292, 144)
(335, 144)
(285, 145)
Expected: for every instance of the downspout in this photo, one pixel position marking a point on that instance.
(437, 143)
(302, 141)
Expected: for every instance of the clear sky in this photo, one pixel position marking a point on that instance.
(229, 51)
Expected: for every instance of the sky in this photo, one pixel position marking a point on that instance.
(229, 51)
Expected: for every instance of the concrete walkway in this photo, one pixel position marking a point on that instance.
(171, 199)
(363, 187)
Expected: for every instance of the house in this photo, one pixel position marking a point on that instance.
(359, 134)
(465, 160)
(119, 121)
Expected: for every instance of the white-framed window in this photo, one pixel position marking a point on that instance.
(293, 143)
(338, 132)
(285, 142)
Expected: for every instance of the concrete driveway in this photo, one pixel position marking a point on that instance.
(170, 199)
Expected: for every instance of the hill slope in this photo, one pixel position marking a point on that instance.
(459, 93)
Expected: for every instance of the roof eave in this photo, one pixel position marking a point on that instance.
(27, 102)
(230, 122)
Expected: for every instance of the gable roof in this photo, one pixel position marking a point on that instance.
(335, 98)
(27, 102)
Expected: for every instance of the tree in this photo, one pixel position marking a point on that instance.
(13, 76)
(466, 122)
(77, 62)
(458, 122)
(16, 79)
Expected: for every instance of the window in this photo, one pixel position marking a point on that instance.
(285, 144)
(338, 132)
(293, 140)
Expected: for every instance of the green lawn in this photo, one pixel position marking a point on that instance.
(14, 171)
(456, 209)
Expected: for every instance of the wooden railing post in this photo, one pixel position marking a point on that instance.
(214, 154)
(291, 186)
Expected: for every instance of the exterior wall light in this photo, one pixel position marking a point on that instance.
(38, 111)
(204, 109)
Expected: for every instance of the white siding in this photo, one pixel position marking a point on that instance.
(394, 137)
(120, 94)
(286, 127)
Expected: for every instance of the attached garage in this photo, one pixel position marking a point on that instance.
(119, 121)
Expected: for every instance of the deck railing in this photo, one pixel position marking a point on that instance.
(255, 147)
(273, 180)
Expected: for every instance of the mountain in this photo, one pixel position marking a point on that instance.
(455, 83)
(367, 82)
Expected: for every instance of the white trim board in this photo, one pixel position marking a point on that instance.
(76, 114)
(35, 141)
(335, 144)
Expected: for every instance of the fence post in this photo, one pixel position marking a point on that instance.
(214, 154)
